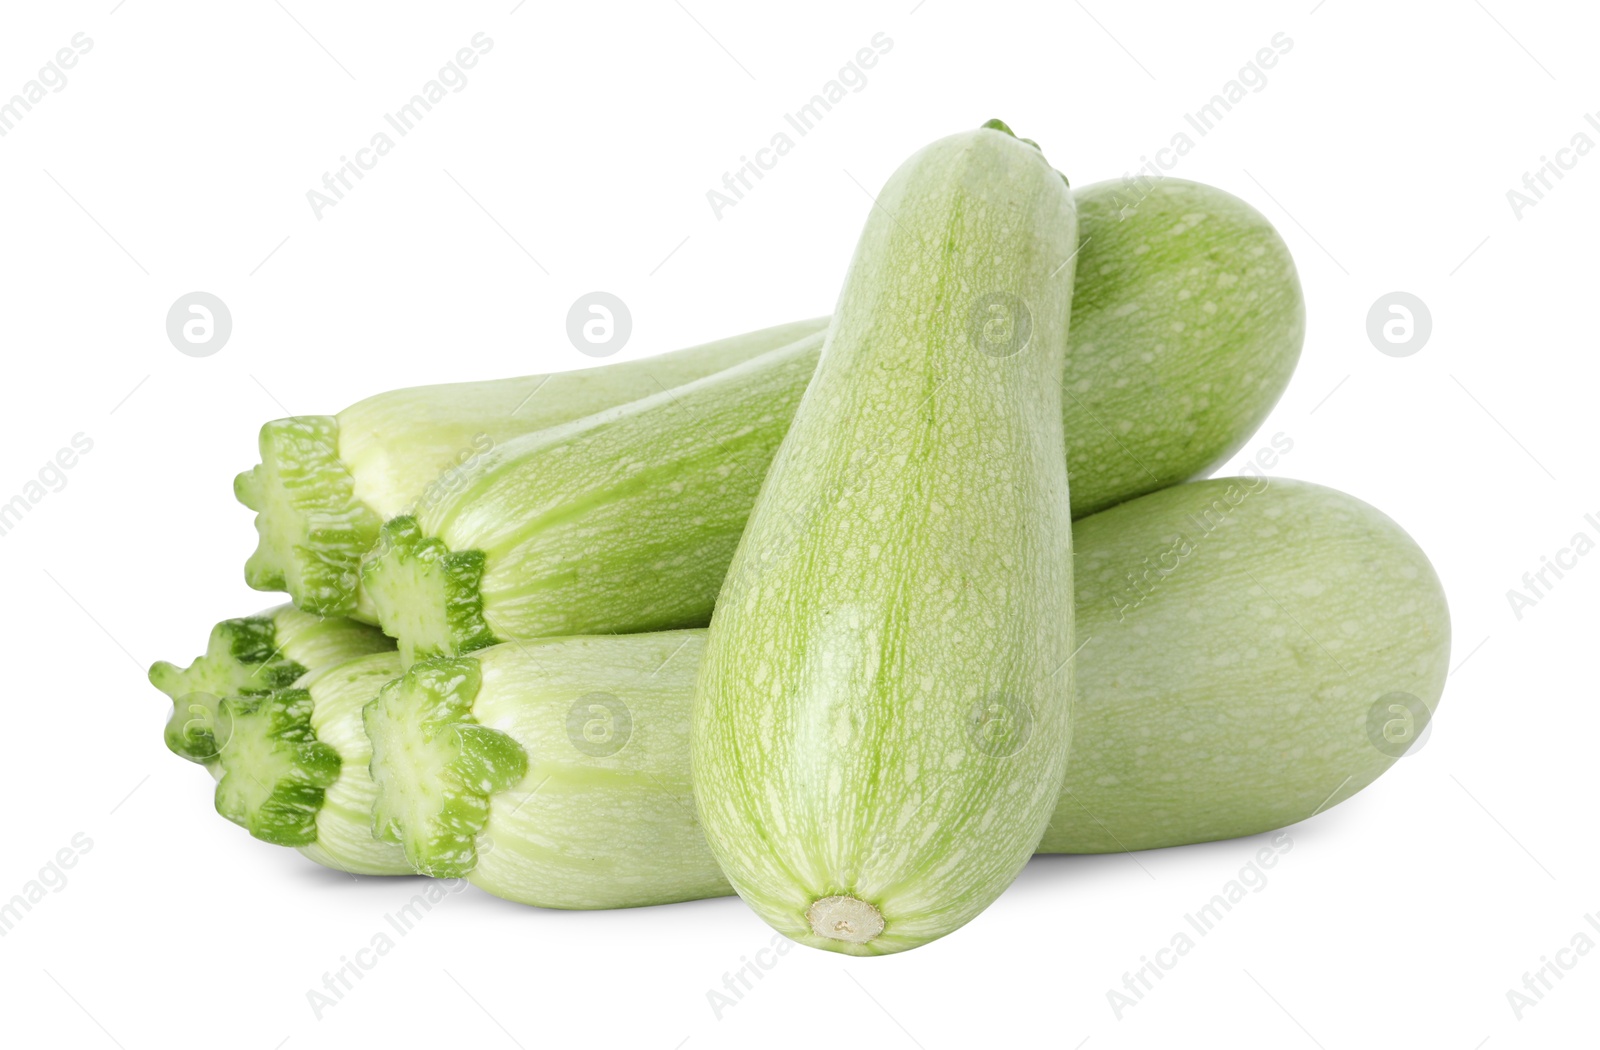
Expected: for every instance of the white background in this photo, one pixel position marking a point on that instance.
(178, 156)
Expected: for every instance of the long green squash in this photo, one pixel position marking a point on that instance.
(252, 656)
(325, 484)
(883, 713)
(293, 766)
(1187, 321)
(1238, 723)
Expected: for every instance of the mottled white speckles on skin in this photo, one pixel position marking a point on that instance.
(1141, 249)
(1227, 280)
(1184, 295)
(1208, 307)
(1125, 310)
(1125, 426)
(1178, 326)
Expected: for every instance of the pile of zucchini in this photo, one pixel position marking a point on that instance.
(849, 616)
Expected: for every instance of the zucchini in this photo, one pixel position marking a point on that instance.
(293, 766)
(252, 656)
(882, 715)
(1250, 650)
(325, 484)
(602, 722)
(1258, 727)
(623, 521)
(553, 772)
(1187, 321)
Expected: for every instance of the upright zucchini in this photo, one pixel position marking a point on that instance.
(1236, 724)
(1186, 324)
(883, 711)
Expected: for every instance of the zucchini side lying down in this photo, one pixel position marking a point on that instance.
(249, 656)
(1187, 320)
(1253, 653)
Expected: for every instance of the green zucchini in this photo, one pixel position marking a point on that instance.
(1254, 652)
(623, 521)
(590, 804)
(325, 484)
(552, 772)
(604, 810)
(293, 766)
(1187, 321)
(252, 656)
(883, 710)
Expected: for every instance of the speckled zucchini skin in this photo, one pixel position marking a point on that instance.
(883, 712)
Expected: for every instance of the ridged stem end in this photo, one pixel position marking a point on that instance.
(275, 772)
(426, 596)
(435, 768)
(242, 658)
(312, 529)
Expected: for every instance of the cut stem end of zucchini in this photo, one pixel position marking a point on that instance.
(435, 767)
(426, 595)
(242, 658)
(845, 919)
(275, 771)
(313, 530)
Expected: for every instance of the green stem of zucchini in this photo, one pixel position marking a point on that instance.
(252, 656)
